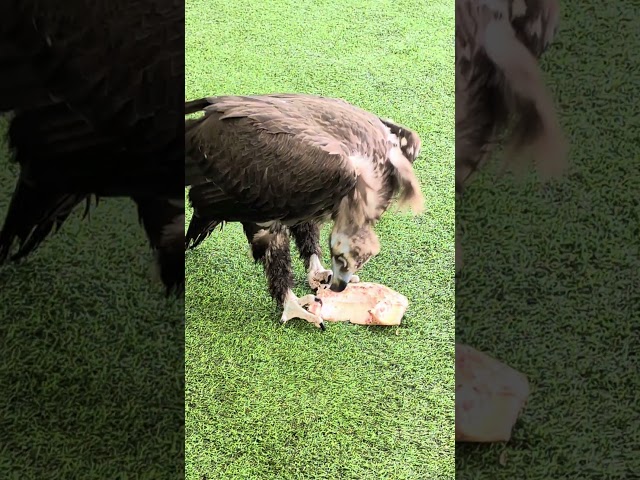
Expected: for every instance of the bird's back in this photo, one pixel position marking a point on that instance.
(329, 122)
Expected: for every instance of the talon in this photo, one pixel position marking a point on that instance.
(295, 307)
(322, 327)
(319, 300)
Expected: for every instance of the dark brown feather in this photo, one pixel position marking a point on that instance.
(285, 163)
(282, 157)
(97, 91)
(499, 85)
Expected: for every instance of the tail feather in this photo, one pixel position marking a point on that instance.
(32, 216)
(208, 203)
(198, 231)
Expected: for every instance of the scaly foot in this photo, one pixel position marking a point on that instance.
(317, 274)
(293, 309)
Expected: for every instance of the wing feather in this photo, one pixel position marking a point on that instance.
(285, 156)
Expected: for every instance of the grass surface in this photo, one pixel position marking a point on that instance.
(272, 402)
(550, 282)
(91, 366)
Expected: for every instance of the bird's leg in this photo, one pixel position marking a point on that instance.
(307, 237)
(316, 273)
(293, 308)
(271, 248)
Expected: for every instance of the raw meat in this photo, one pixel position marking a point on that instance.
(489, 397)
(362, 303)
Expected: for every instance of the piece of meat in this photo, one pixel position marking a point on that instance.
(489, 397)
(361, 303)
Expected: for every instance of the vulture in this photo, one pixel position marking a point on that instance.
(94, 90)
(283, 164)
(500, 90)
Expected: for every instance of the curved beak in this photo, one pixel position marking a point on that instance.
(340, 278)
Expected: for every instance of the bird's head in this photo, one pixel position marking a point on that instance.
(351, 248)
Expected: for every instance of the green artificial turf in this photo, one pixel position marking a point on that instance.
(91, 362)
(265, 401)
(550, 281)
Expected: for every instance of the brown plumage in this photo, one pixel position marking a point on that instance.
(500, 88)
(291, 160)
(96, 93)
